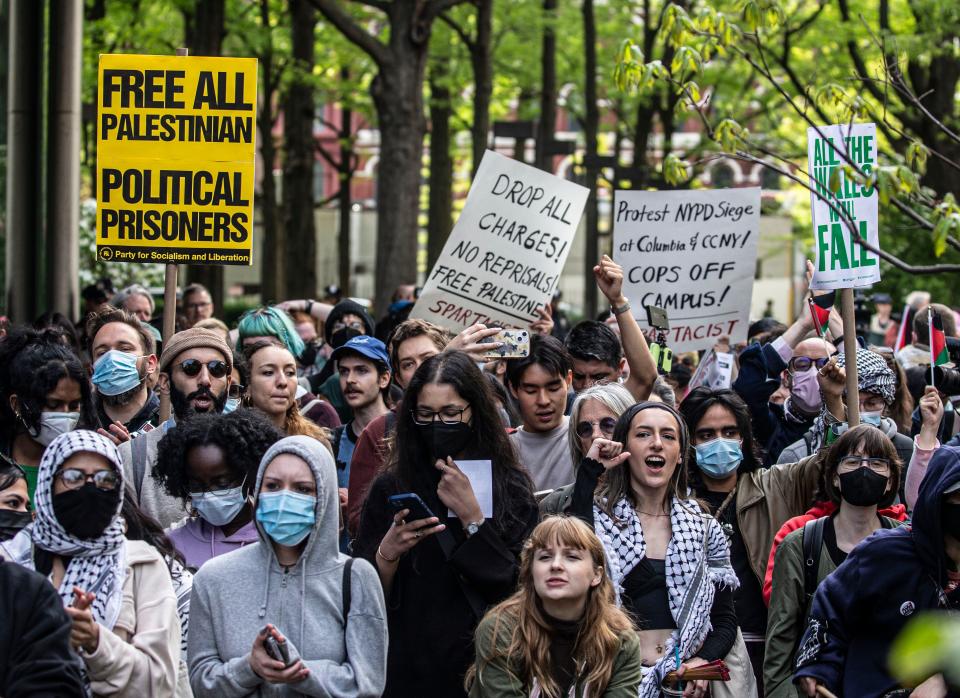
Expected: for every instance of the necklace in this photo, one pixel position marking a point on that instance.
(646, 513)
(727, 528)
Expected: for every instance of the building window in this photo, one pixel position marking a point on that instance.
(721, 176)
(770, 179)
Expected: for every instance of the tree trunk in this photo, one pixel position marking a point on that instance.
(548, 87)
(397, 93)
(482, 80)
(345, 201)
(204, 31)
(441, 164)
(300, 268)
(271, 288)
(591, 130)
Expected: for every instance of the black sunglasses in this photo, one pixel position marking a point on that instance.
(803, 363)
(607, 425)
(192, 367)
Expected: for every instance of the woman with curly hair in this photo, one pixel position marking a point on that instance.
(561, 633)
(44, 392)
(210, 462)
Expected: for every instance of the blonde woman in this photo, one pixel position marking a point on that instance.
(561, 634)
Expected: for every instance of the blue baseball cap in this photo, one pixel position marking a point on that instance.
(365, 345)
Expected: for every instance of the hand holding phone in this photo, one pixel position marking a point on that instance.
(513, 344)
(411, 501)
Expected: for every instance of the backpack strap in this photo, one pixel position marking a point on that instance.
(138, 450)
(337, 435)
(812, 543)
(808, 440)
(345, 587)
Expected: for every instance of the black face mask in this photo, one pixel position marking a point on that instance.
(11, 522)
(443, 440)
(950, 519)
(86, 512)
(863, 487)
(342, 336)
(309, 355)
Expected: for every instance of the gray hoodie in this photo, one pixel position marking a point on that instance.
(236, 594)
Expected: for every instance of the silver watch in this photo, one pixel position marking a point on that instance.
(471, 528)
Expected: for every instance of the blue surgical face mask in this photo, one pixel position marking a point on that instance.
(231, 405)
(871, 418)
(116, 372)
(286, 516)
(720, 457)
(220, 507)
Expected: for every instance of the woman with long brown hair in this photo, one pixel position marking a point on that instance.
(271, 382)
(561, 634)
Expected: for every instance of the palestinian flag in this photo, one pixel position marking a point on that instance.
(820, 311)
(938, 340)
(904, 332)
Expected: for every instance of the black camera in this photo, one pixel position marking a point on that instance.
(946, 380)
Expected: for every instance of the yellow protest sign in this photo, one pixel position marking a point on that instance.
(175, 159)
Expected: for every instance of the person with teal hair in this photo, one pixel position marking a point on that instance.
(274, 322)
(269, 321)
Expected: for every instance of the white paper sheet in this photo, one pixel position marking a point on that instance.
(480, 474)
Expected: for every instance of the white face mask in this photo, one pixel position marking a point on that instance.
(53, 424)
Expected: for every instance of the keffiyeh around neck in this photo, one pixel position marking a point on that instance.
(697, 561)
(96, 565)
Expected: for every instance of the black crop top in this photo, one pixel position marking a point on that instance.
(645, 586)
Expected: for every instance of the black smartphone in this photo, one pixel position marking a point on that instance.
(657, 317)
(411, 501)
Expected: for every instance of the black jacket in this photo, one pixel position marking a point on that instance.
(886, 581)
(430, 619)
(35, 654)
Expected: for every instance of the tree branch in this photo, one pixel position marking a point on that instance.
(335, 14)
(464, 37)
(854, 51)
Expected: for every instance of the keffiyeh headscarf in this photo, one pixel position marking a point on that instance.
(873, 376)
(96, 565)
(698, 560)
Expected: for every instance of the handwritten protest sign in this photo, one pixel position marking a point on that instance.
(175, 159)
(841, 263)
(692, 253)
(504, 256)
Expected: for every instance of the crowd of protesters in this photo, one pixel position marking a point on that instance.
(309, 520)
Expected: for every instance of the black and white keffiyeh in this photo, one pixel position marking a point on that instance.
(96, 565)
(873, 376)
(697, 561)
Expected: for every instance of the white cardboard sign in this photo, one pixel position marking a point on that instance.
(692, 253)
(841, 263)
(504, 256)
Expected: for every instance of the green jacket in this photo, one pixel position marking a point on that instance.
(500, 678)
(787, 616)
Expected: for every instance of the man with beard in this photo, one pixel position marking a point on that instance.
(195, 367)
(124, 355)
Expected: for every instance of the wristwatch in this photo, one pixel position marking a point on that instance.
(471, 528)
(620, 309)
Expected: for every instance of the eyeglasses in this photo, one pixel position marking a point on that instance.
(607, 424)
(192, 367)
(74, 479)
(196, 306)
(448, 415)
(803, 363)
(877, 465)
(235, 391)
(356, 325)
(874, 403)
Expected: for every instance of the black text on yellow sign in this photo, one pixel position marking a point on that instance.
(175, 159)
